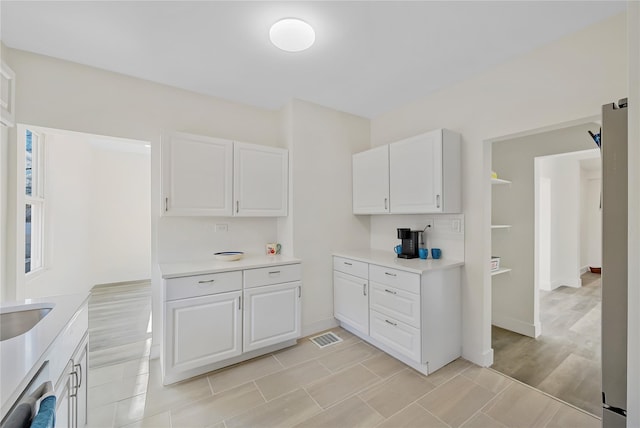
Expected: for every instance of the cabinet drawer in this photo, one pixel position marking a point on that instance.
(272, 275)
(395, 334)
(396, 303)
(396, 278)
(202, 285)
(352, 267)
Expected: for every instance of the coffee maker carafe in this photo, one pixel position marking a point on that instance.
(409, 243)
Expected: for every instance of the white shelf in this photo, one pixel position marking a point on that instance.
(499, 271)
(499, 181)
(500, 226)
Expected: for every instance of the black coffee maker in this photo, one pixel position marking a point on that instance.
(410, 243)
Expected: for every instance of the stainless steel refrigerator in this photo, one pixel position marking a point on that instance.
(614, 137)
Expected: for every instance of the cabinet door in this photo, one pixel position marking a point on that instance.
(196, 175)
(416, 174)
(81, 371)
(397, 335)
(261, 176)
(371, 181)
(351, 300)
(271, 315)
(65, 402)
(202, 330)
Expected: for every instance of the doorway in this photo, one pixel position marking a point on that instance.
(542, 337)
(92, 218)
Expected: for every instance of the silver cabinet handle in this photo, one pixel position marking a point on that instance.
(239, 302)
(390, 274)
(364, 289)
(79, 369)
(348, 264)
(299, 291)
(437, 201)
(166, 204)
(392, 323)
(237, 207)
(207, 281)
(385, 203)
(275, 272)
(390, 291)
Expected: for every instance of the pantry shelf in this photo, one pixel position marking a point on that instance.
(499, 271)
(500, 226)
(499, 181)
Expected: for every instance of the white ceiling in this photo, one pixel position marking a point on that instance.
(369, 57)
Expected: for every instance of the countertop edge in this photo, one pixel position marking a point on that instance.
(181, 269)
(380, 258)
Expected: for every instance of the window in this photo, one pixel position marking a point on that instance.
(34, 202)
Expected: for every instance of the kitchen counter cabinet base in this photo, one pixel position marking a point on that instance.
(437, 341)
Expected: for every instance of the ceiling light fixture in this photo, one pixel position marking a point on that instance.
(292, 35)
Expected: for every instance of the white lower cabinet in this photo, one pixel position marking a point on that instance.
(413, 317)
(203, 330)
(218, 319)
(351, 300)
(271, 315)
(71, 389)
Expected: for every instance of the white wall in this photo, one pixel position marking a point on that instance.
(120, 216)
(554, 84)
(321, 142)
(591, 232)
(68, 164)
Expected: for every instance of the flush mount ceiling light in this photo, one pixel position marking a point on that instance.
(292, 35)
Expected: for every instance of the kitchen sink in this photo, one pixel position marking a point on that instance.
(16, 321)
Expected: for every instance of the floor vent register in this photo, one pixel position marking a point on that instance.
(325, 339)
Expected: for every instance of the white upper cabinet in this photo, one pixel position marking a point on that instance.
(260, 180)
(196, 176)
(205, 176)
(423, 175)
(371, 181)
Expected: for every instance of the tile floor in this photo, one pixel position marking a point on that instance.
(349, 384)
(565, 361)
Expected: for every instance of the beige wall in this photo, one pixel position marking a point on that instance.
(561, 82)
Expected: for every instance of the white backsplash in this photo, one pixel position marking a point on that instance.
(444, 234)
(195, 238)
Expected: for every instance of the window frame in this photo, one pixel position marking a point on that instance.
(37, 202)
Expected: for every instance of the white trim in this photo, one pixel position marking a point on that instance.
(584, 269)
(574, 282)
(517, 326)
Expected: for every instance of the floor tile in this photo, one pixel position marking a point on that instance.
(569, 417)
(118, 390)
(211, 410)
(519, 405)
(306, 350)
(340, 385)
(456, 400)
(239, 374)
(101, 375)
(161, 420)
(162, 398)
(481, 420)
(352, 412)
(131, 410)
(290, 379)
(348, 356)
(397, 392)
(413, 416)
(384, 365)
(449, 371)
(283, 412)
(489, 379)
(101, 417)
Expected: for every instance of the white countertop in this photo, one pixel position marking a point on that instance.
(22, 356)
(391, 260)
(203, 267)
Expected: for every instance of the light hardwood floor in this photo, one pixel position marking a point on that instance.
(349, 384)
(565, 361)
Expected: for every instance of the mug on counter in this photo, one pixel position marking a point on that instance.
(436, 253)
(423, 253)
(273, 249)
(398, 249)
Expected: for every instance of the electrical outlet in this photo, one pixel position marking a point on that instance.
(456, 225)
(222, 227)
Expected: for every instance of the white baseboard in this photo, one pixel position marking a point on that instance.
(512, 324)
(318, 326)
(575, 282)
(154, 352)
(584, 269)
